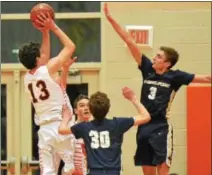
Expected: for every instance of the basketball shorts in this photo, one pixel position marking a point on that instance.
(154, 145)
(53, 147)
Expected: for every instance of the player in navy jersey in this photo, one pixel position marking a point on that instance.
(160, 83)
(103, 137)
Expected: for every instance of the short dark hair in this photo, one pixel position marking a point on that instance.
(172, 55)
(99, 105)
(28, 54)
(79, 97)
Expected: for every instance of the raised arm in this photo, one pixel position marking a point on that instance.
(64, 74)
(202, 79)
(143, 115)
(45, 46)
(68, 46)
(135, 51)
(64, 127)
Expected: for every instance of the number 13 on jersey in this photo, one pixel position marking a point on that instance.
(41, 94)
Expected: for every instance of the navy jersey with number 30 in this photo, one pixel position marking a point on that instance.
(158, 91)
(103, 141)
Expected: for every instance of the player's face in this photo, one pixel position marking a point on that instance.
(159, 61)
(82, 110)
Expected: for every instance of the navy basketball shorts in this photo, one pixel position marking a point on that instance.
(154, 145)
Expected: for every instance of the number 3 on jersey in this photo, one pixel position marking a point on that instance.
(42, 95)
(99, 139)
(152, 94)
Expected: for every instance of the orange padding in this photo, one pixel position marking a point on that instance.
(199, 130)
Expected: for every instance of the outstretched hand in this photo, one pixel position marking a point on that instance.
(66, 114)
(44, 22)
(128, 94)
(106, 10)
(70, 62)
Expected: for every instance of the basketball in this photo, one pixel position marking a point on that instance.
(41, 8)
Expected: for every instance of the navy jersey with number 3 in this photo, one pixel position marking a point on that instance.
(158, 91)
(103, 141)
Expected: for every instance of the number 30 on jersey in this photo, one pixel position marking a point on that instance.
(99, 139)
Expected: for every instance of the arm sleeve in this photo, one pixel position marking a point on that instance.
(124, 124)
(183, 78)
(146, 66)
(77, 130)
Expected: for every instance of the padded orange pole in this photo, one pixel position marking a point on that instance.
(199, 130)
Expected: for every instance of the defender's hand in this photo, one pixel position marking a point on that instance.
(70, 62)
(128, 94)
(106, 11)
(66, 113)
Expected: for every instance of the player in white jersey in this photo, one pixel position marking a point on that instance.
(47, 96)
(81, 109)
